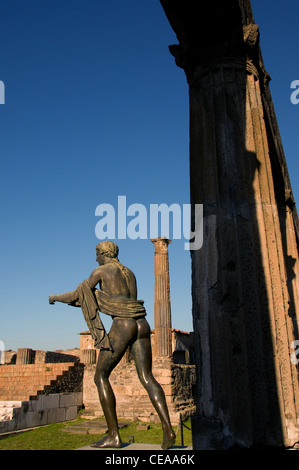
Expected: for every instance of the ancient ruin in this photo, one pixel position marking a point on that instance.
(175, 373)
(162, 298)
(42, 387)
(245, 278)
(38, 388)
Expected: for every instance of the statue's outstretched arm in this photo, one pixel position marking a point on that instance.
(72, 297)
(66, 298)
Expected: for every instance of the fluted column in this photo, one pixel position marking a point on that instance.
(24, 356)
(163, 344)
(88, 356)
(244, 291)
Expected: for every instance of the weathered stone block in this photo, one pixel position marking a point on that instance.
(71, 413)
(50, 401)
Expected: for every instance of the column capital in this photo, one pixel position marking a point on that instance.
(161, 244)
(230, 34)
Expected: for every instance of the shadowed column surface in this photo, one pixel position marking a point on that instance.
(245, 277)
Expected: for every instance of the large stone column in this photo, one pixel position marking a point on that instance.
(245, 298)
(163, 345)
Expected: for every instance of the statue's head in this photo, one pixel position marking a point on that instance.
(106, 249)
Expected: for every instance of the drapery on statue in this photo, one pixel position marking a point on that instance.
(117, 297)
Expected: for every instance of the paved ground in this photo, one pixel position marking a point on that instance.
(99, 427)
(90, 427)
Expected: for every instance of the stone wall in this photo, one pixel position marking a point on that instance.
(42, 357)
(175, 374)
(20, 382)
(132, 401)
(181, 343)
(44, 410)
(34, 374)
(55, 357)
(37, 394)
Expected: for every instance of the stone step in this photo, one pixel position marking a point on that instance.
(22, 396)
(21, 389)
(26, 381)
(7, 408)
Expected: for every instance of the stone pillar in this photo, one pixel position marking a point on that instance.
(163, 340)
(126, 357)
(24, 356)
(88, 356)
(245, 299)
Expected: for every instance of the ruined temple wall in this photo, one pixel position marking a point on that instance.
(132, 401)
(32, 356)
(176, 379)
(180, 341)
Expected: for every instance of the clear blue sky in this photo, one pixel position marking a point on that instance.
(96, 108)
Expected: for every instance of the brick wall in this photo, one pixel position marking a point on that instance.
(38, 394)
(20, 382)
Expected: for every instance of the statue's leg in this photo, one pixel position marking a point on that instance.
(122, 333)
(142, 354)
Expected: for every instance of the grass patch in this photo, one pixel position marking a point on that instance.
(53, 437)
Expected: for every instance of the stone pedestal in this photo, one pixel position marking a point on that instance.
(245, 298)
(163, 341)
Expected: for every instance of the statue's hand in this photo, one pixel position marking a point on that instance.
(52, 299)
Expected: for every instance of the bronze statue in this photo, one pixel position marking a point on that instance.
(118, 297)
